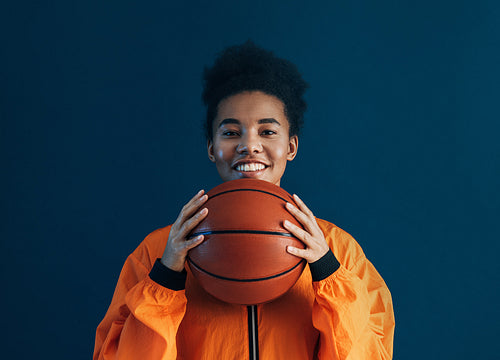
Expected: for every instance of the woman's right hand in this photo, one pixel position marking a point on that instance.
(178, 244)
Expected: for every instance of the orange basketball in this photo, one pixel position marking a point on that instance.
(243, 259)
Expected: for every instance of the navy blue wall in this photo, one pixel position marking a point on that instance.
(101, 144)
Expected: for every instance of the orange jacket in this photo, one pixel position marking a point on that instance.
(348, 315)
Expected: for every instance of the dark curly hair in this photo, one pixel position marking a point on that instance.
(248, 67)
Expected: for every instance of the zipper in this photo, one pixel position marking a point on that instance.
(253, 332)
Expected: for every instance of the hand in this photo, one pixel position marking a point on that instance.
(178, 244)
(311, 235)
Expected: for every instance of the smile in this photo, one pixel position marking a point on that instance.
(250, 167)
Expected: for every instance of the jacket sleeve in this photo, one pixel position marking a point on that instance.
(143, 317)
(353, 310)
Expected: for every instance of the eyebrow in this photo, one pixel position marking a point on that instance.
(237, 122)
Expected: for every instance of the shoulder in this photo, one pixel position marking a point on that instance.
(152, 247)
(346, 249)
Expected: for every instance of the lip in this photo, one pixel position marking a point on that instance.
(250, 174)
(248, 161)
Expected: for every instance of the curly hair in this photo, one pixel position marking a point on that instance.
(248, 67)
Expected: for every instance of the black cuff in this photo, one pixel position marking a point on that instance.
(167, 277)
(324, 267)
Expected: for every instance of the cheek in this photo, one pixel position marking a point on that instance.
(280, 153)
(223, 153)
(220, 154)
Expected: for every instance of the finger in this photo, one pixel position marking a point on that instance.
(299, 233)
(190, 208)
(302, 205)
(302, 253)
(303, 218)
(191, 223)
(194, 203)
(190, 244)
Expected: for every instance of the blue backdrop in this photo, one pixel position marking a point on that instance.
(101, 143)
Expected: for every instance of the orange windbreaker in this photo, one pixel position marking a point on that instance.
(348, 315)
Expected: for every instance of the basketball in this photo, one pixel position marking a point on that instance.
(243, 258)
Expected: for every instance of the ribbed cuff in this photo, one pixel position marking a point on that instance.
(167, 277)
(324, 267)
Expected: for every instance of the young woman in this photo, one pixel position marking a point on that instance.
(340, 308)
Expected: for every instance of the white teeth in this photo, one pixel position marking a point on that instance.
(250, 167)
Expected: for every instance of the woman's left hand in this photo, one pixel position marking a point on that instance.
(311, 235)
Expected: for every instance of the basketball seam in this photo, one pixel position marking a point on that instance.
(256, 232)
(257, 190)
(244, 280)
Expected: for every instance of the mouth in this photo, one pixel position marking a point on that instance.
(250, 167)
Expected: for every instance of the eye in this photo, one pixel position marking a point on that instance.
(229, 133)
(268, 132)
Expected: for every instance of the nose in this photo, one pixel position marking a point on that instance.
(249, 144)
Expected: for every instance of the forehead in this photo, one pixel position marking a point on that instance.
(251, 106)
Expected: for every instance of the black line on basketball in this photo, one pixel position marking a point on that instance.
(258, 232)
(257, 190)
(244, 280)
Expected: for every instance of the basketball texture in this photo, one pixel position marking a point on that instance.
(243, 259)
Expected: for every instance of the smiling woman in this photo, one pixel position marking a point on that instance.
(340, 308)
(251, 138)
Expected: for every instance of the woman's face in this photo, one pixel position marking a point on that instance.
(251, 138)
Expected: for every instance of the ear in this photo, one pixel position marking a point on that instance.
(210, 150)
(293, 147)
